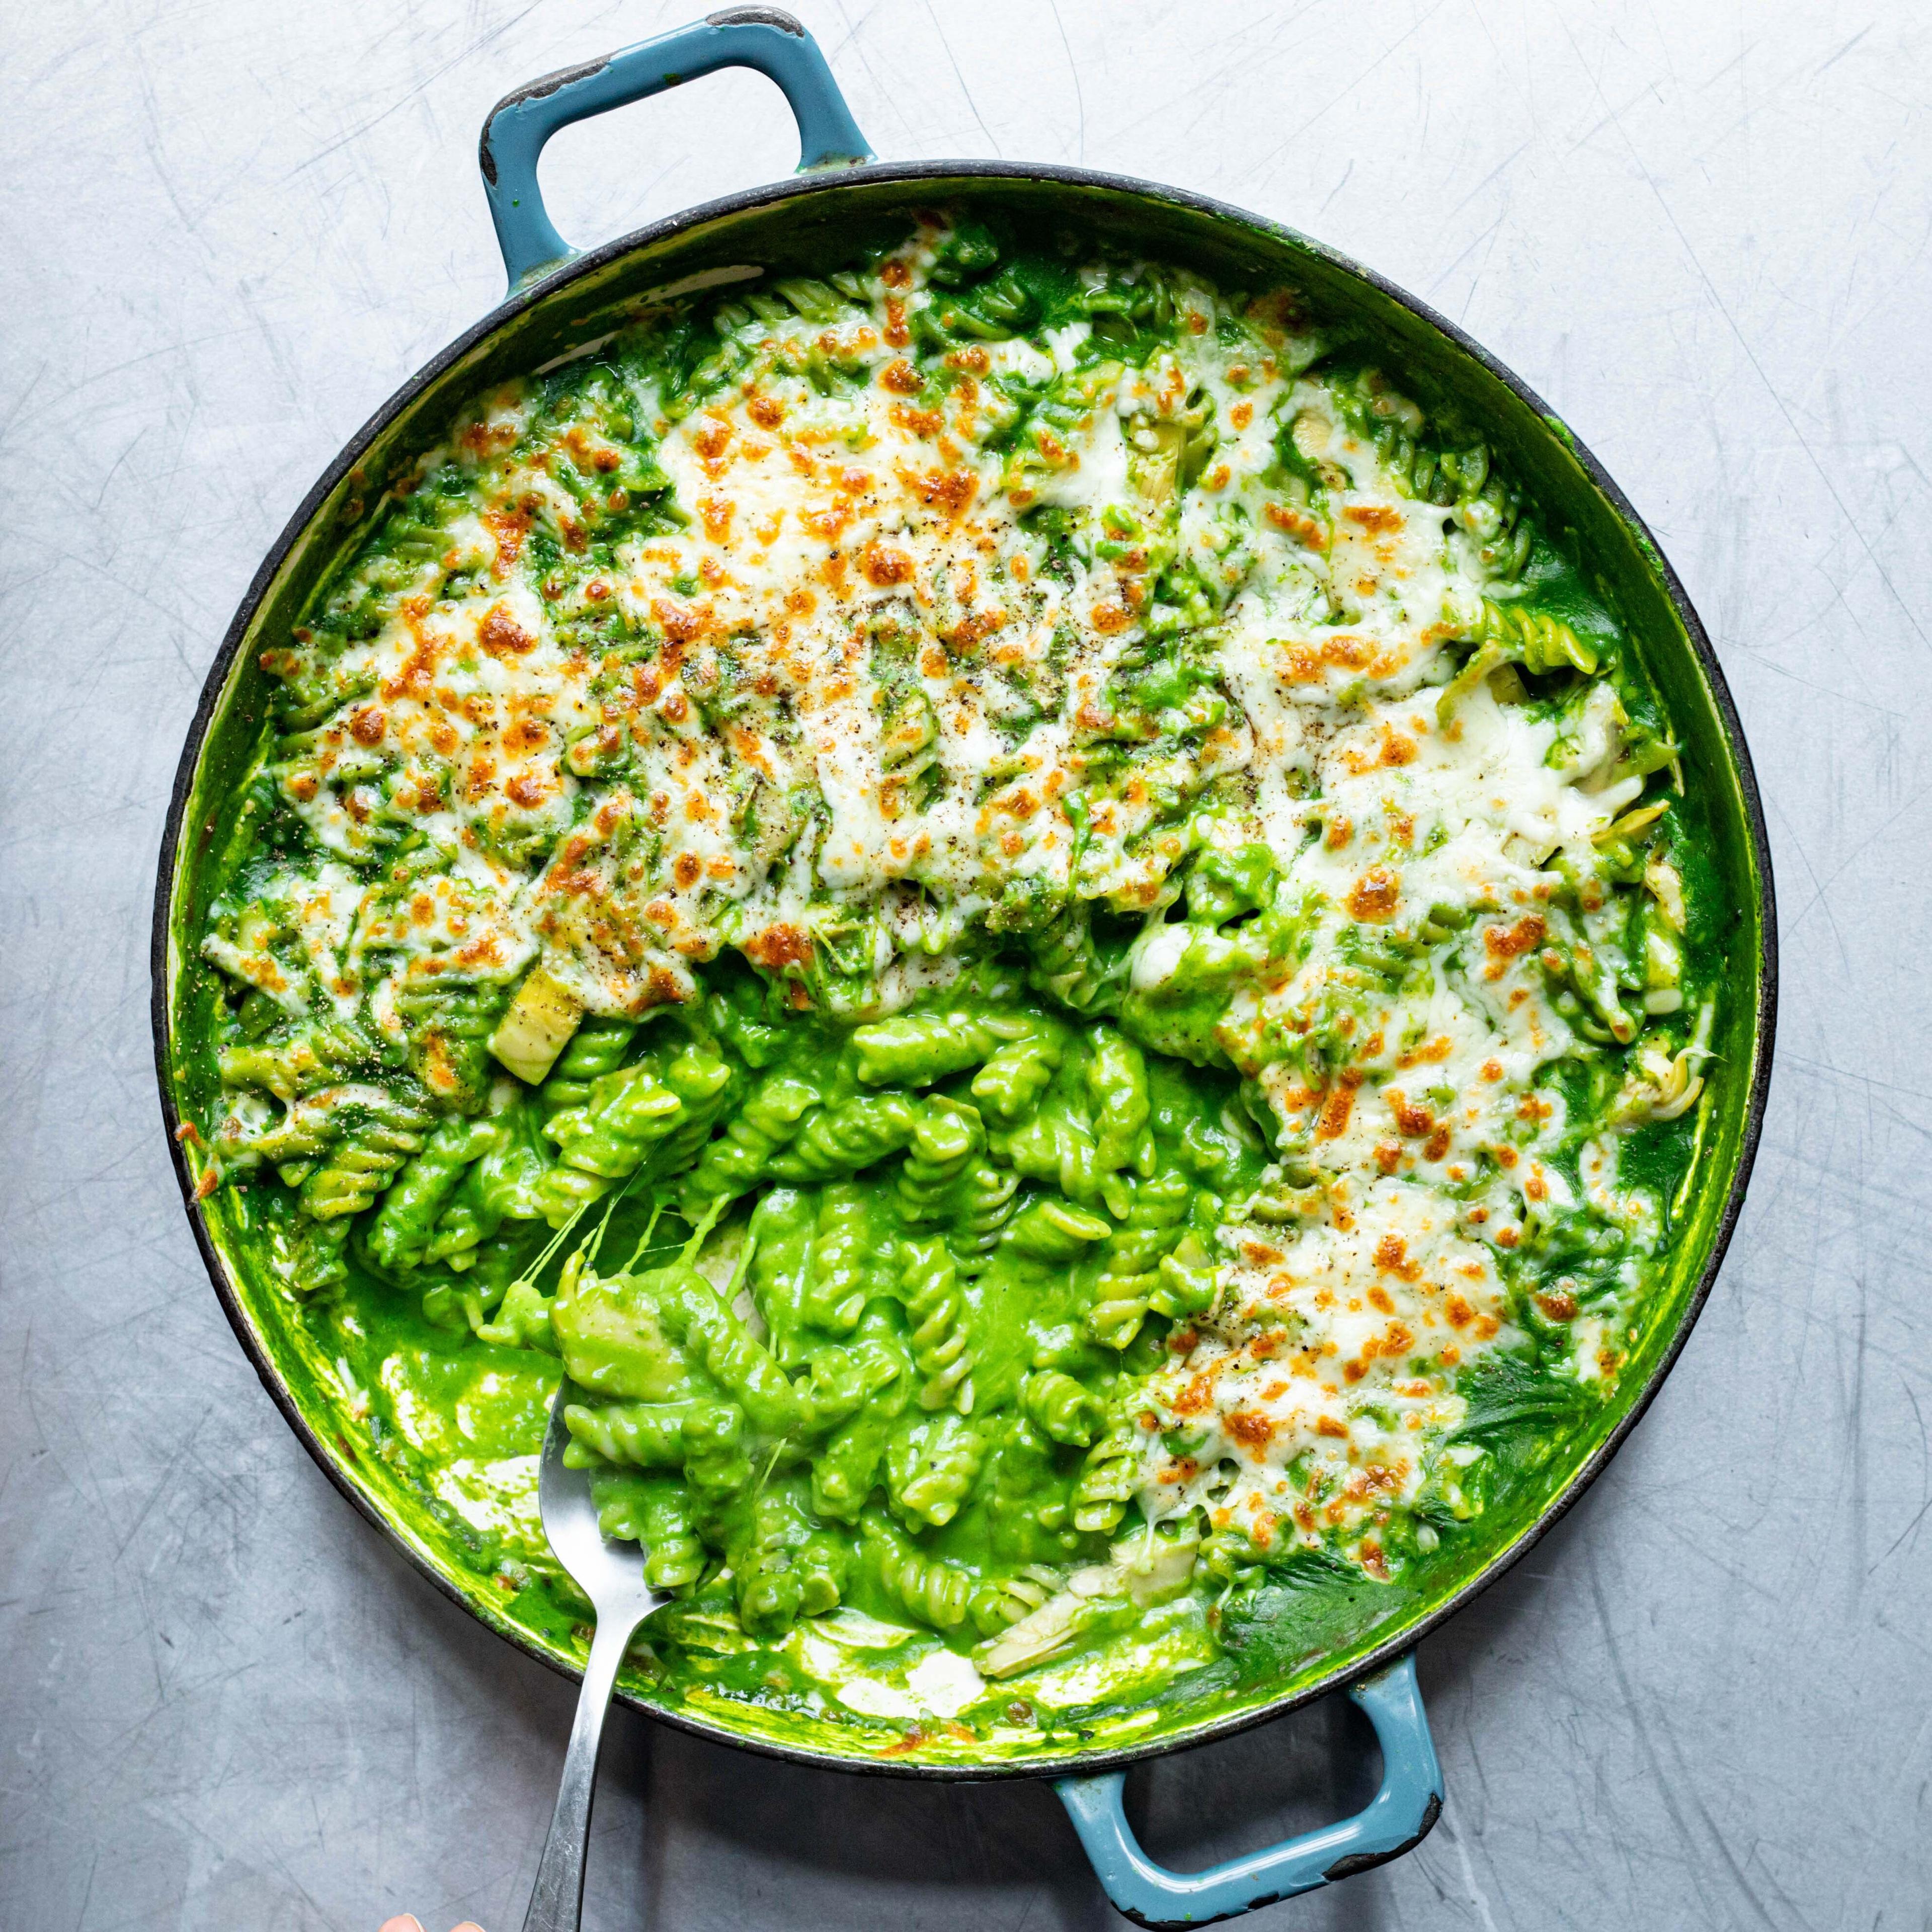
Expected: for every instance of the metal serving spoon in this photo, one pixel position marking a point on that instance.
(611, 1575)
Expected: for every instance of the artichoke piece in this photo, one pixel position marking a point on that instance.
(537, 1027)
(1148, 1568)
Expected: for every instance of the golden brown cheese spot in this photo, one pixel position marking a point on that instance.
(1503, 944)
(1250, 1427)
(1307, 663)
(778, 946)
(1296, 523)
(924, 424)
(508, 530)
(1392, 1258)
(1375, 893)
(1378, 518)
(439, 1075)
(590, 454)
(1198, 1397)
(501, 635)
(1332, 1120)
(681, 623)
(367, 726)
(951, 490)
(711, 434)
(484, 438)
(962, 636)
(900, 378)
(884, 566)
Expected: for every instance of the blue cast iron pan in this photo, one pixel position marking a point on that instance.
(557, 298)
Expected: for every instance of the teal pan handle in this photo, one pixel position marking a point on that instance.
(1398, 1818)
(520, 123)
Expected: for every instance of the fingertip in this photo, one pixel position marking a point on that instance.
(404, 1921)
(468, 1925)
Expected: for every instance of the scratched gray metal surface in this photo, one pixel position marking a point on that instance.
(1701, 232)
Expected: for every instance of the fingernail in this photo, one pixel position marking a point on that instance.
(469, 1925)
(406, 1922)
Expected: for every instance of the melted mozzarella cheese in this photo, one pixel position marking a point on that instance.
(854, 553)
(1392, 1280)
(1312, 1400)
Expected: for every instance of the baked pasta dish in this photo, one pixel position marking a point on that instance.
(1039, 946)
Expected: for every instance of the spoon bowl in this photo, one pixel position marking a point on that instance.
(610, 1574)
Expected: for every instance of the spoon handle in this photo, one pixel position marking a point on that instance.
(556, 1903)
